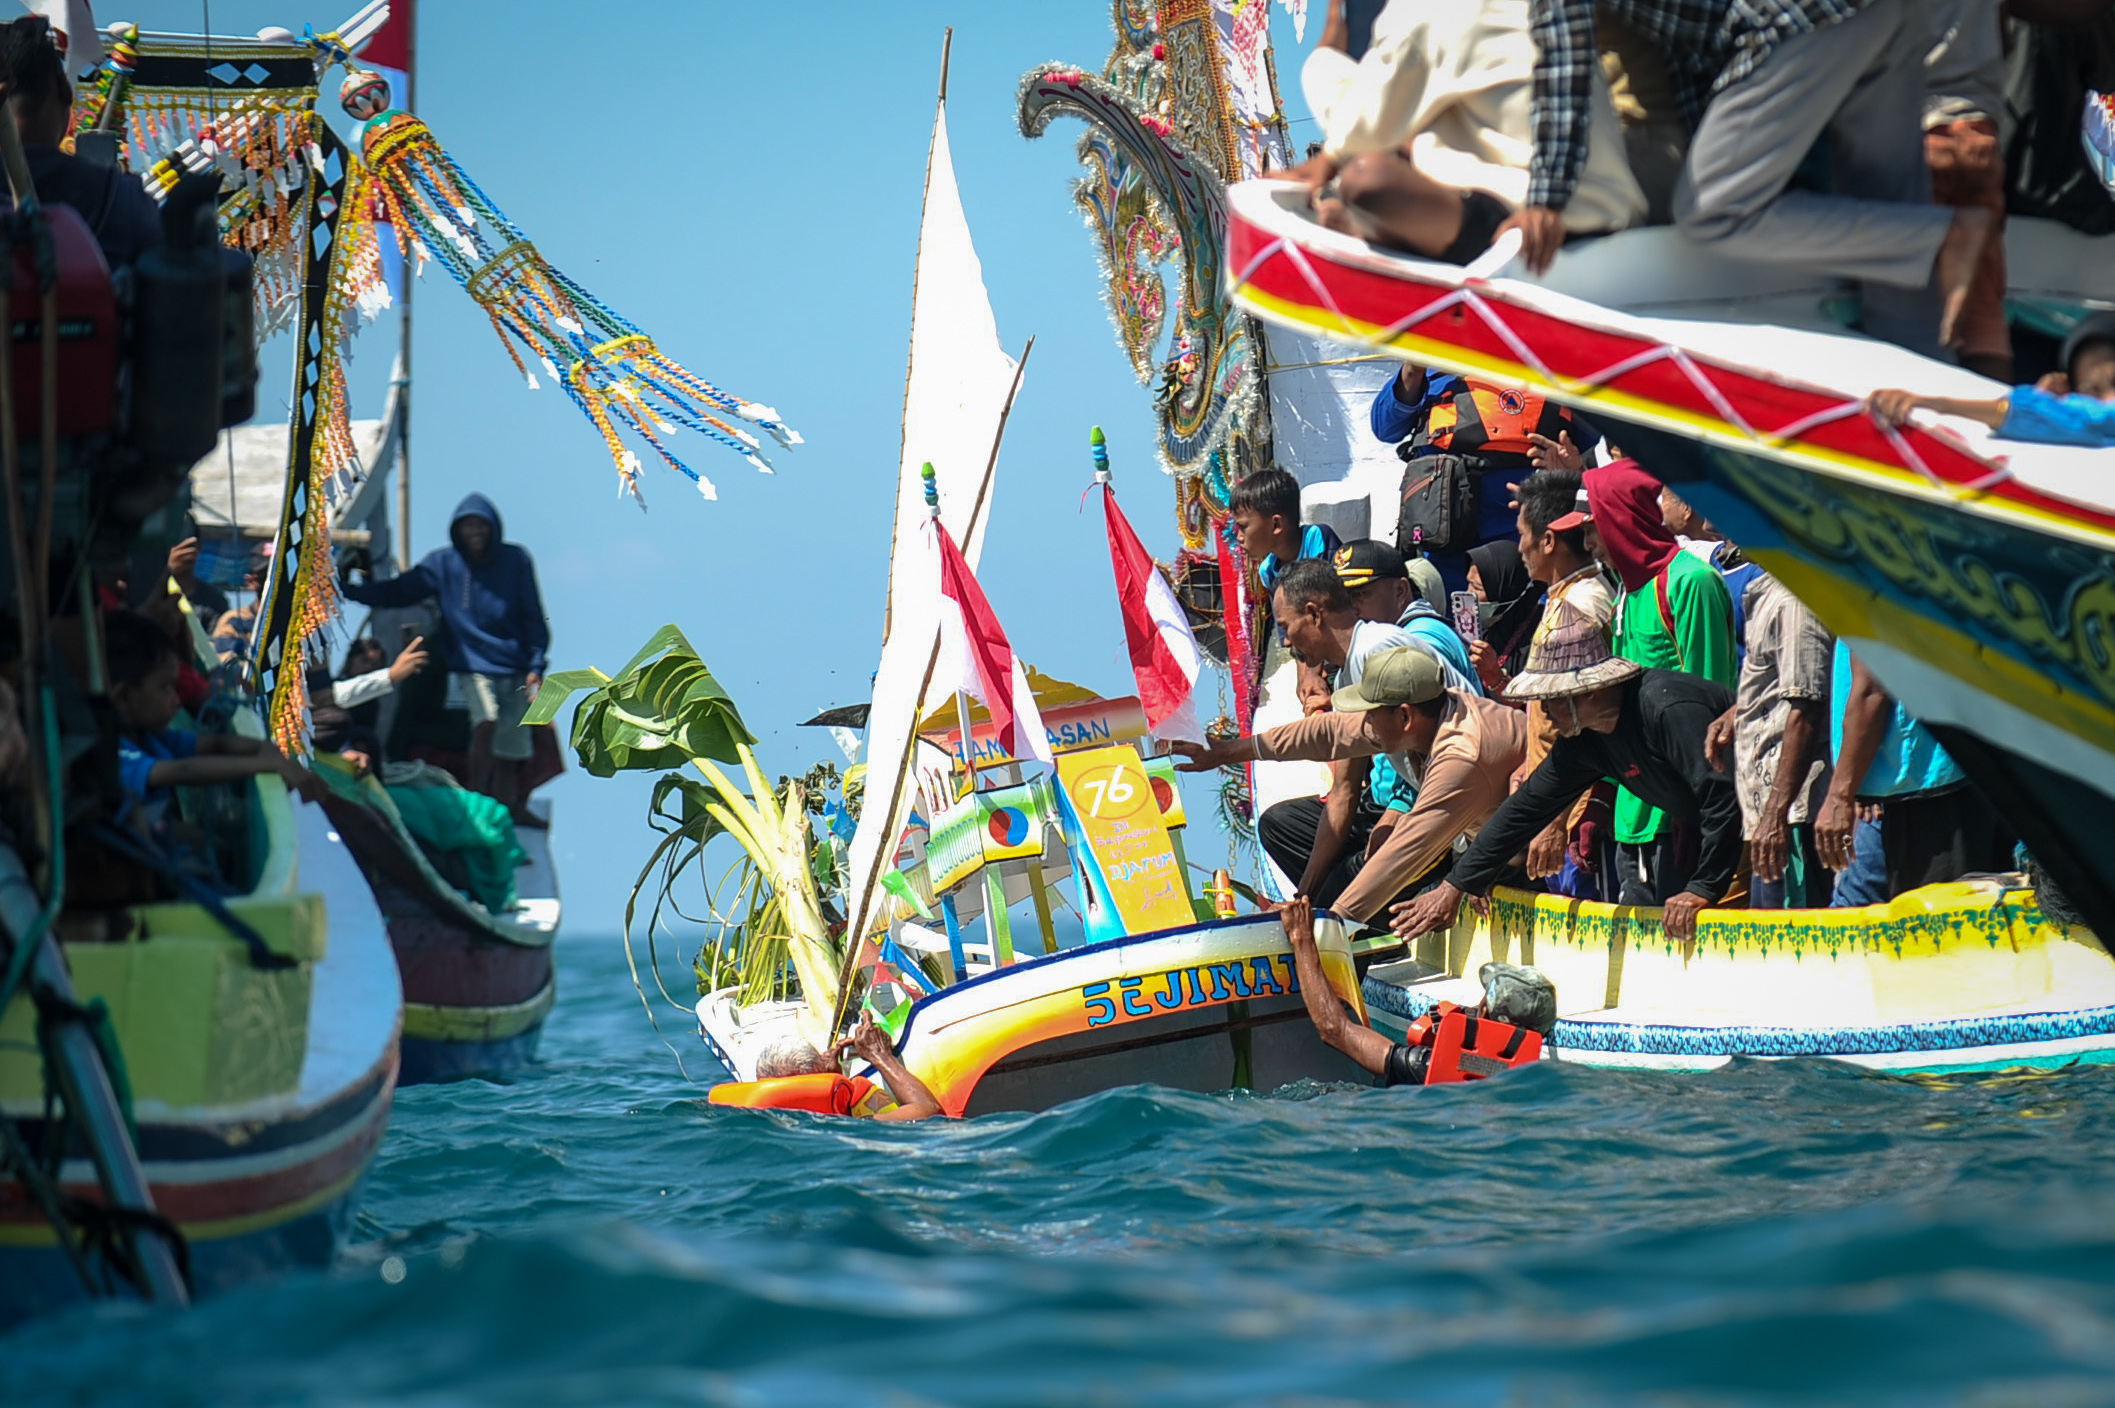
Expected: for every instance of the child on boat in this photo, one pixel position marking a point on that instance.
(2075, 406)
(153, 757)
(1265, 509)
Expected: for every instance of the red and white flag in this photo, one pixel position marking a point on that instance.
(978, 651)
(390, 53)
(1164, 654)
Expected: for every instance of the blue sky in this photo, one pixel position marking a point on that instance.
(743, 181)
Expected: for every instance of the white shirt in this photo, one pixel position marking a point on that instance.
(352, 693)
(1454, 79)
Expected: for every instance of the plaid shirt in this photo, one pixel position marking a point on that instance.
(1708, 43)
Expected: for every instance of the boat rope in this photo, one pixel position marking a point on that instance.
(1490, 311)
(194, 890)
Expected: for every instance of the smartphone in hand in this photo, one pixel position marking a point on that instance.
(1466, 620)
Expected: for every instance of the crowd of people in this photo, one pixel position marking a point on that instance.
(1633, 713)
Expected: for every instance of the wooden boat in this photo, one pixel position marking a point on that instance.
(1157, 995)
(477, 985)
(1972, 574)
(260, 1096)
(1967, 976)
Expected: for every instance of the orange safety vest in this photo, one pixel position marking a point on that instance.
(1488, 419)
(1465, 1046)
(824, 1094)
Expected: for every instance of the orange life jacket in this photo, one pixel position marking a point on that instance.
(1495, 420)
(1465, 1046)
(824, 1094)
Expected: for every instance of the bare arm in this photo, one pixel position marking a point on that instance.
(230, 757)
(1361, 1043)
(1772, 842)
(1865, 718)
(1894, 407)
(914, 1098)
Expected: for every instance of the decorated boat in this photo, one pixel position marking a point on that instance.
(478, 982)
(1159, 988)
(1972, 574)
(256, 1041)
(1966, 976)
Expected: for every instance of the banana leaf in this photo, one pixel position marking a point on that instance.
(654, 714)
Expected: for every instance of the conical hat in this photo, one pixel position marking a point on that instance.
(1571, 658)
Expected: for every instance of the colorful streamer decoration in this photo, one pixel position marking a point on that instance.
(609, 367)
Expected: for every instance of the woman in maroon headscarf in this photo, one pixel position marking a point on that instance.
(1674, 614)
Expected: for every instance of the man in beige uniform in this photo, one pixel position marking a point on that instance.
(1462, 750)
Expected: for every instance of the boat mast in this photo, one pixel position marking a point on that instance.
(403, 388)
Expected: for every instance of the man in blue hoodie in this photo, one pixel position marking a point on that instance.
(498, 638)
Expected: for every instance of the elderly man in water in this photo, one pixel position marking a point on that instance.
(914, 1099)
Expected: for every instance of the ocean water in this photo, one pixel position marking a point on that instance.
(593, 1234)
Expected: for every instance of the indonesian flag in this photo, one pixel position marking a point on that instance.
(1164, 654)
(389, 53)
(982, 659)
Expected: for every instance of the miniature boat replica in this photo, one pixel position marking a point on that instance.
(259, 1094)
(1968, 976)
(1975, 576)
(1160, 991)
(477, 984)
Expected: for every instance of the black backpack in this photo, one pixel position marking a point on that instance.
(1441, 502)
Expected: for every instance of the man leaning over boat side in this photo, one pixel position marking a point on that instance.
(1461, 750)
(1643, 728)
(1321, 844)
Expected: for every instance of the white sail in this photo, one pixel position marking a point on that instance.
(960, 385)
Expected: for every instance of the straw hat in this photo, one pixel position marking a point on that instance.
(1571, 658)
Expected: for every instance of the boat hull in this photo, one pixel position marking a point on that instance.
(271, 1184)
(477, 990)
(1957, 977)
(253, 1200)
(1204, 1007)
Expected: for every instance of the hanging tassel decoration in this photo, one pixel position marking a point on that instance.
(611, 369)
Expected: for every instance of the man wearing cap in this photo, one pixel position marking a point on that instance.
(1642, 728)
(1461, 750)
(1381, 587)
(1519, 997)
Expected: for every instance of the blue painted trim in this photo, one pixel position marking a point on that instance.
(1655, 1039)
(954, 937)
(1068, 955)
(429, 1062)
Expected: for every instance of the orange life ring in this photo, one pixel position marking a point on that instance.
(825, 1094)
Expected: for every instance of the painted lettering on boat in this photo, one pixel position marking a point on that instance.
(1203, 985)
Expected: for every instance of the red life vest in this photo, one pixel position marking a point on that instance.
(1494, 420)
(1465, 1046)
(824, 1094)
